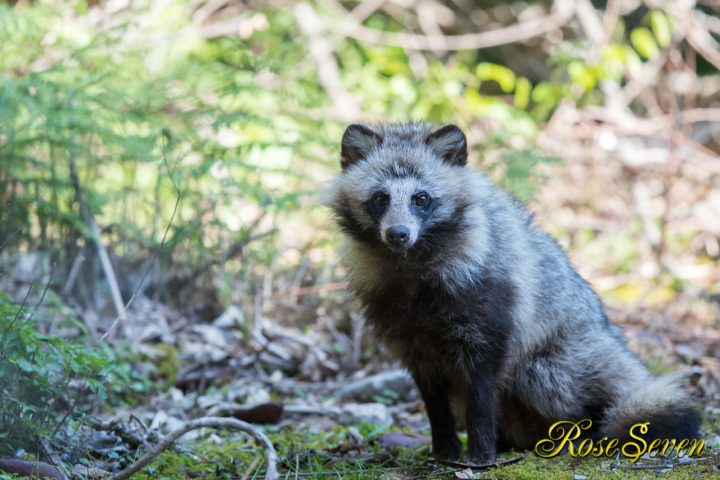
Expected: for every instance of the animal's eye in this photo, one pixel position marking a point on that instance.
(380, 200)
(422, 199)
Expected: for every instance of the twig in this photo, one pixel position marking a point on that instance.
(67, 414)
(19, 311)
(654, 126)
(358, 326)
(710, 22)
(117, 427)
(44, 292)
(335, 473)
(703, 42)
(322, 53)
(427, 19)
(206, 422)
(593, 27)
(365, 9)
(648, 75)
(95, 236)
(9, 237)
(55, 458)
(207, 9)
(610, 18)
(162, 241)
(480, 466)
(229, 253)
(519, 32)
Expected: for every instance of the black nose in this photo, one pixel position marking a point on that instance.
(398, 235)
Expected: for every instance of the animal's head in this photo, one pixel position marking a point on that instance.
(401, 187)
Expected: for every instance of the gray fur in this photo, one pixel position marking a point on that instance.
(562, 358)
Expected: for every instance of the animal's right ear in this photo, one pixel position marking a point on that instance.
(450, 144)
(357, 141)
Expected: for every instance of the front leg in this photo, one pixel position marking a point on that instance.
(481, 413)
(434, 389)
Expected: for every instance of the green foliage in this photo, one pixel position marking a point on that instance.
(36, 371)
(238, 124)
(137, 123)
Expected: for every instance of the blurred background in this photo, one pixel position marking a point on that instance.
(164, 250)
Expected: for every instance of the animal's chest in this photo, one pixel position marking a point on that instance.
(424, 323)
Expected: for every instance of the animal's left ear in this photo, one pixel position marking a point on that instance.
(450, 144)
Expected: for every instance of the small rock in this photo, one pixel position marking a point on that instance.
(89, 472)
(166, 423)
(215, 336)
(713, 443)
(375, 413)
(102, 443)
(353, 433)
(257, 396)
(366, 389)
(247, 391)
(688, 353)
(232, 317)
(32, 267)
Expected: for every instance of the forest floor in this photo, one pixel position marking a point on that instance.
(329, 418)
(298, 363)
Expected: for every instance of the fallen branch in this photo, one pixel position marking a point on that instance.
(519, 32)
(30, 468)
(327, 68)
(480, 466)
(206, 422)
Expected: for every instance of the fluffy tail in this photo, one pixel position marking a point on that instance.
(659, 401)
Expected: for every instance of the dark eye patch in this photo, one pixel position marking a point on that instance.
(422, 204)
(377, 204)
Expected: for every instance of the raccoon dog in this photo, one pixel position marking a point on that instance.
(483, 308)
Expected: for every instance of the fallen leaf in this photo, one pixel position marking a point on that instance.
(466, 473)
(268, 413)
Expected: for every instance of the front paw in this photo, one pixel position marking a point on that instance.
(447, 450)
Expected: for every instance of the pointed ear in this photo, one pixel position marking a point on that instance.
(450, 144)
(357, 141)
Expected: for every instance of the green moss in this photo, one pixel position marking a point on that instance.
(167, 363)
(316, 452)
(564, 467)
(12, 476)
